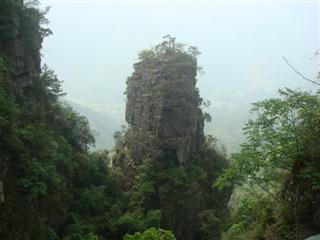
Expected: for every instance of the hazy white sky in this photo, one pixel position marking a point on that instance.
(95, 44)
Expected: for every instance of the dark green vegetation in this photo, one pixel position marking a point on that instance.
(52, 187)
(278, 169)
(164, 168)
(151, 234)
(167, 163)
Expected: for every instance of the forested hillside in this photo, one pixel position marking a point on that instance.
(44, 143)
(104, 120)
(52, 187)
(164, 179)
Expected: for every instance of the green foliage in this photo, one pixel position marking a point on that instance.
(54, 188)
(146, 54)
(170, 46)
(251, 213)
(151, 234)
(279, 159)
(275, 138)
(210, 224)
(178, 197)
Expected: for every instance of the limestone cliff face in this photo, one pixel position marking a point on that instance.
(162, 109)
(163, 155)
(21, 38)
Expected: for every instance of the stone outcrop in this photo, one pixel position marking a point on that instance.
(163, 154)
(21, 39)
(162, 109)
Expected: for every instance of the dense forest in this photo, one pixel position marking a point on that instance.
(164, 179)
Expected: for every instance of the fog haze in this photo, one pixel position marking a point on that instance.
(95, 44)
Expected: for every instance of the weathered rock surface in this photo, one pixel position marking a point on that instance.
(21, 39)
(164, 146)
(163, 108)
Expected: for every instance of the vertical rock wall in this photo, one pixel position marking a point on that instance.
(21, 38)
(162, 110)
(165, 127)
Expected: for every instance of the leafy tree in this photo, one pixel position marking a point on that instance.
(151, 234)
(280, 158)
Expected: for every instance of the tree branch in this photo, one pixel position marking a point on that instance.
(301, 75)
(265, 189)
